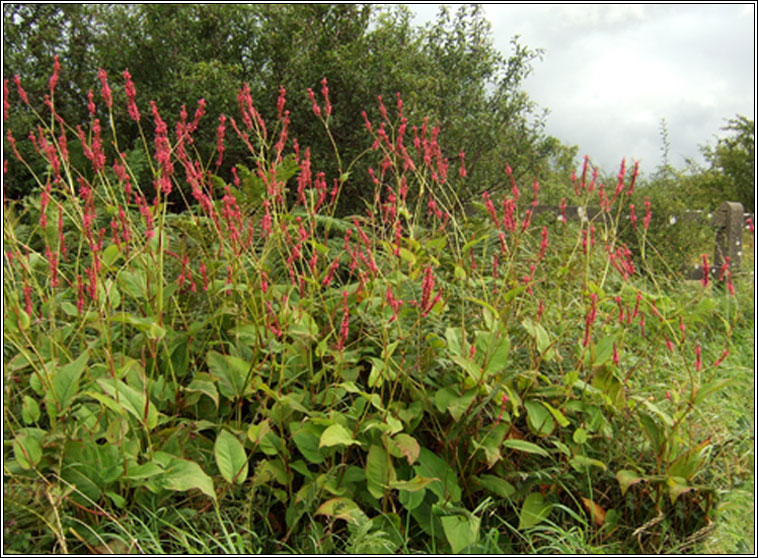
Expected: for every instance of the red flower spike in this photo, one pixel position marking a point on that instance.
(325, 93)
(54, 78)
(721, 358)
(706, 271)
(131, 96)
(106, 90)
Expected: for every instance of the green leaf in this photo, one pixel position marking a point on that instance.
(28, 450)
(379, 471)
(539, 419)
(453, 337)
(626, 479)
(677, 486)
(232, 372)
(110, 255)
(307, 443)
(431, 465)
(414, 485)
(230, 457)
(581, 463)
(342, 508)
(580, 436)
(336, 435)
(408, 446)
(534, 510)
(447, 399)
(203, 383)
(460, 531)
(557, 415)
(687, 464)
(30, 412)
(496, 485)
(182, 475)
(66, 381)
(526, 447)
(133, 401)
(711, 387)
(603, 350)
(147, 470)
(148, 325)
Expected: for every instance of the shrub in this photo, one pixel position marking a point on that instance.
(396, 371)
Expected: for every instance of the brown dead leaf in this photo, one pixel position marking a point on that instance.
(596, 511)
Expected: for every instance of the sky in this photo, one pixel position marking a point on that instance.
(610, 74)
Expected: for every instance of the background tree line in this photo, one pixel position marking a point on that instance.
(447, 70)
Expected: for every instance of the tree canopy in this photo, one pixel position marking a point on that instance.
(448, 71)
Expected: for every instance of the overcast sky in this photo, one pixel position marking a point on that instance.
(611, 73)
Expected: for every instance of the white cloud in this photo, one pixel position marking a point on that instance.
(611, 73)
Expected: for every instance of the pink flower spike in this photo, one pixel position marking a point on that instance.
(721, 358)
(698, 361)
(106, 90)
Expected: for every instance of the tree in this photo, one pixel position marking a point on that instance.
(731, 176)
(448, 71)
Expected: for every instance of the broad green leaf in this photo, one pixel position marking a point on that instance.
(379, 471)
(145, 471)
(30, 412)
(430, 465)
(66, 381)
(408, 446)
(203, 383)
(407, 256)
(539, 419)
(687, 464)
(148, 325)
(527, 447)
(626, 479)
(132, 400)
(342, 508)
(307, 443)
(602, 351)
(497, 355)
(580, 436)
(540, 335)
(491, 451)
(182, 475)
(414, 485)
(453, 337)
(28, 450)
(110, 255)
(257, 432)
(677, 486)
(232, 372)
(230, 457)
(496, 485)
(460, 531)
(581, 463)
(336, 435)
(534, 510)
(557, 415)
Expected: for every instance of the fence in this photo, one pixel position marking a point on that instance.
(728, 221)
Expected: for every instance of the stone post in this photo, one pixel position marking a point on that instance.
(729, 223)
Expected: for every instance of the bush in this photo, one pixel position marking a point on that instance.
(401, 370)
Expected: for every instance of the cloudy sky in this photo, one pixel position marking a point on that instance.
(611, 73)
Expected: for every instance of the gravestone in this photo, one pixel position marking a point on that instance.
(729, 220)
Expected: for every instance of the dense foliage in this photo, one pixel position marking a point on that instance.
(448, 71)
(414, 377)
